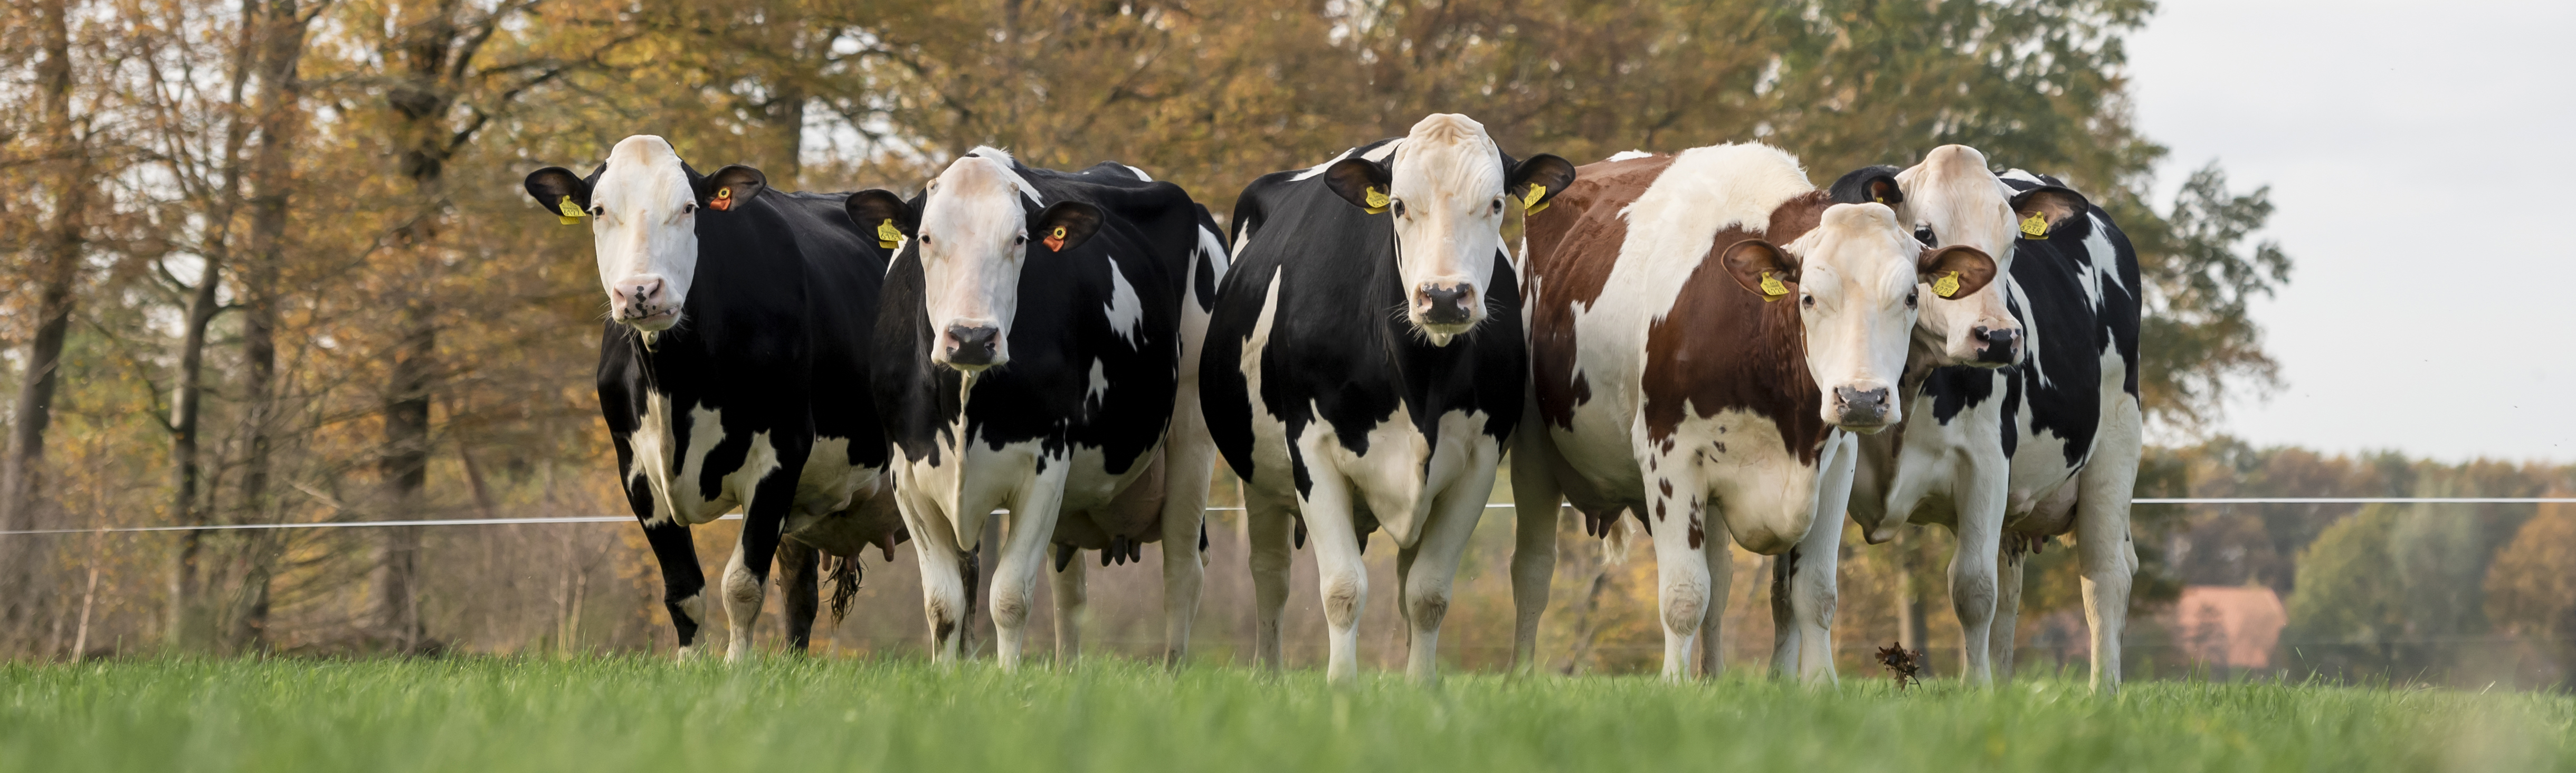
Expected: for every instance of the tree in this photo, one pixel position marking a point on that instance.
(2530, 591)
(2197, 339)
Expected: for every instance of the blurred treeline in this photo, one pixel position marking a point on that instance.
(267, 261)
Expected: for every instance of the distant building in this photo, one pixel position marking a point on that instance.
(2231, 626)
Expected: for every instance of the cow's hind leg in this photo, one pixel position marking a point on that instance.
(1024, 552)
(1071, 598)
(1189, 463)
(1266, 525)
(2001, 639)
(2102, 541)
(799, 577)
(1536, 498)
(684, 584)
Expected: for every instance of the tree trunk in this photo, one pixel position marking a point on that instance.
(57, 267)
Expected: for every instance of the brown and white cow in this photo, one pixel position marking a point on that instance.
(1701, 324)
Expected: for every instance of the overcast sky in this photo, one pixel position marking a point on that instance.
(2418, 157)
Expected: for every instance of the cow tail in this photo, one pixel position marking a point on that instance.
(844, 574)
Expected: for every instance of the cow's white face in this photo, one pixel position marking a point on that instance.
(973, 239)
(643, 207)
(973, 235)
(1444, 189)
(1952, 199)
(644, 221)
(1855, 279)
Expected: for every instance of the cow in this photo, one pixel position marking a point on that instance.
(1364, 367)
(2047, 447)
(1030, 355)
(729, 375)
(1707, 329)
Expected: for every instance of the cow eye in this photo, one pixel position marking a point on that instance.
(690, 208)
(925, 240)
(1909, 298)
(1808, 301)
(1398, 207)
(598, 210)
(1020, 239)
(1498, 205)
(1923, 233)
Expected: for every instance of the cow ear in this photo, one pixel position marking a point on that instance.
(1955, 272)
(1065, 225)
(1539, 178)
(881, 214)
(1761, 268)
(731, 187)
(561, 192)
(2039, 211)
(1361, 182)
(1874, 184)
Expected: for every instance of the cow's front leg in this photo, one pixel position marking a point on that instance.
(683, 582)
(1536, 501)
(746, 582)
(1809, 585)
(1972, 564)
(1721, 580)
(944, 578)
(1674, 510)
(1435, 567)
(1340, 575)
(1024, 544)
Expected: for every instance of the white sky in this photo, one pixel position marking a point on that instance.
(2415, 153)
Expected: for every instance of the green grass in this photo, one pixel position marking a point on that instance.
(635, 714)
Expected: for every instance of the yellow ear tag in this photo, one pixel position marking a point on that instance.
(1536, 192)
(1947, 286)
(888, 236)
(1376, 201)
(2034, 226)
(723, 201)
(1055, 240)
(566, 213)
(1772, 289)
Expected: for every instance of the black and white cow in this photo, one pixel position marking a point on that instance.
(2010, 457)
(1365, 366)
(1029, 356)
(729, 373)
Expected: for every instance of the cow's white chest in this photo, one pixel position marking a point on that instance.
(1402, 473)
(1745, 472)
(676, 475)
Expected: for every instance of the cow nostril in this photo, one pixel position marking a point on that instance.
(972, 344)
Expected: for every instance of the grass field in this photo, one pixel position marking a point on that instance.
(635, 714)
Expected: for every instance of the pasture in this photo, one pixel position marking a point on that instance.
(635, 714)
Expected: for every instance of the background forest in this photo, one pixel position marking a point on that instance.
(268, 261)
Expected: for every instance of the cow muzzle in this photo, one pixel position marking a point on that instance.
(1864, 408)
(1996, 347)
(972, 347)
(644, 302)
(1447, 304)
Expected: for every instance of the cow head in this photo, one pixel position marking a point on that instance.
(973, 230)
(1858, 281)
(1952, 199)
(1447, 188)
(643, 206)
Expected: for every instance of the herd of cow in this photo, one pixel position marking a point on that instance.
(1703, 340)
